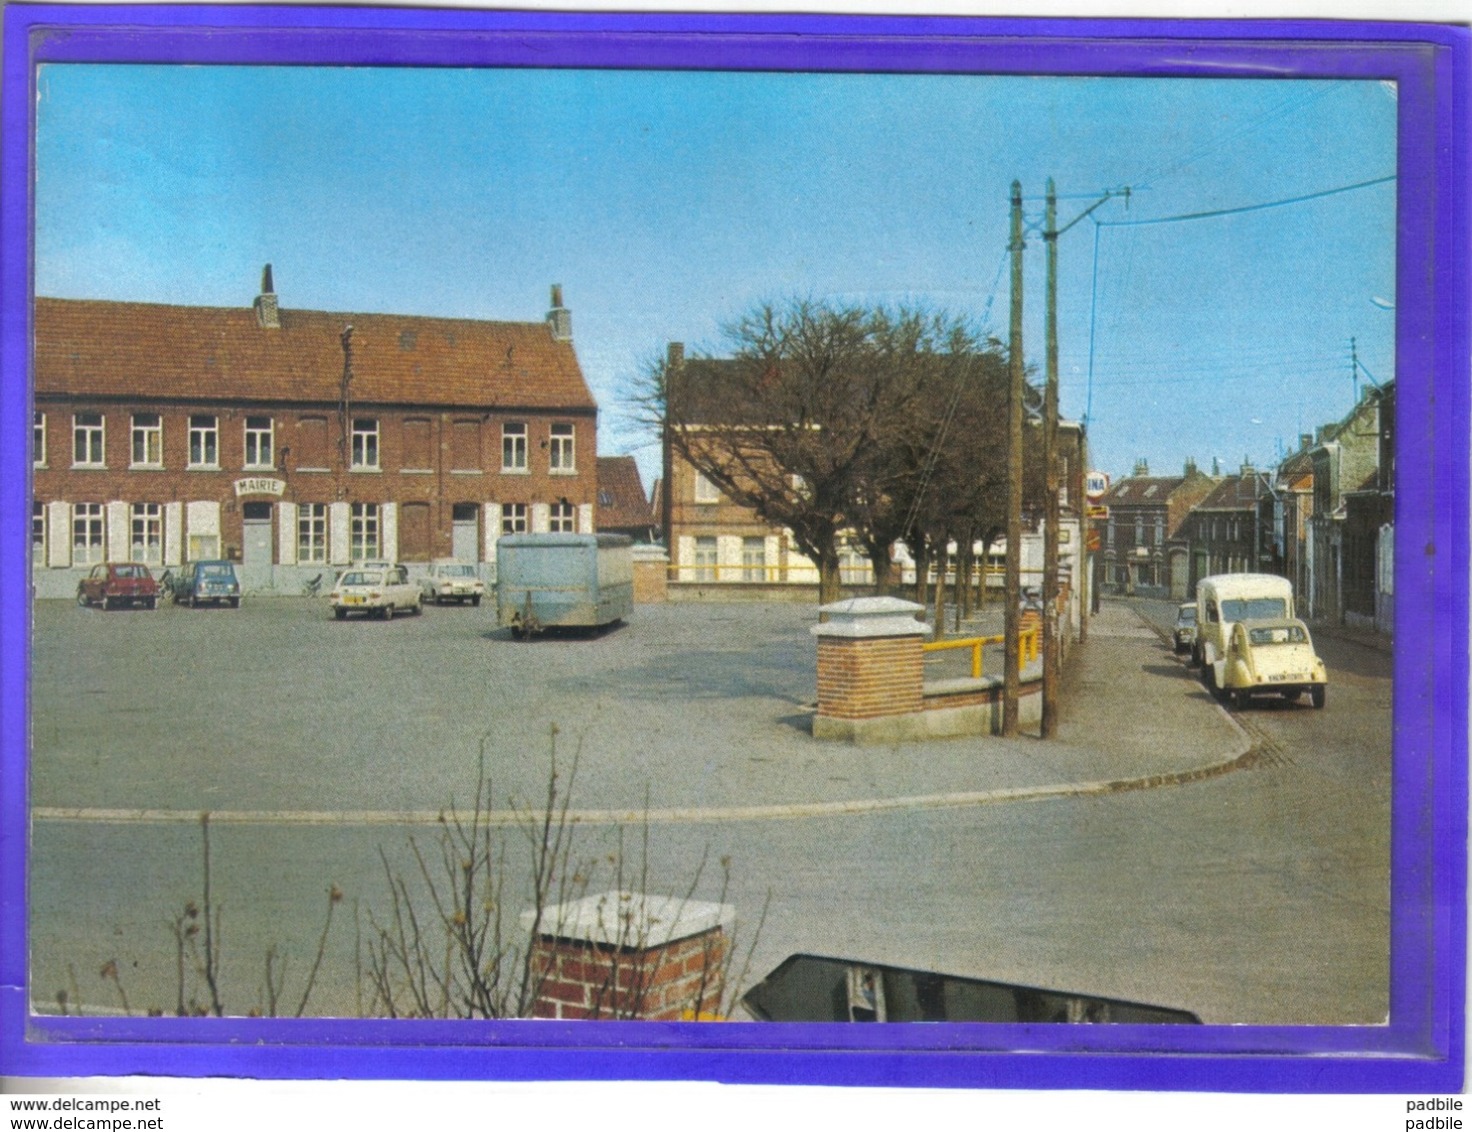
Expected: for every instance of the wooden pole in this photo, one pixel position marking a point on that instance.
(1011, 672)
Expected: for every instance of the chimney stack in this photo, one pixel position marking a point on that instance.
(559, 318)
(268, 312)
(675, 355)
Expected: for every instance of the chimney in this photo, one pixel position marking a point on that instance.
(1304, 440)
(268, 313)
(559, 318)
(675, 355)
(1190, 469)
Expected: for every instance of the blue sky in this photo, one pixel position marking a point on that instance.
(668, 203)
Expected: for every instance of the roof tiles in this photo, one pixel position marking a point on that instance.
(111, 349)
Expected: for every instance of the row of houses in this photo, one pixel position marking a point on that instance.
(292, 441)
(1324, 518)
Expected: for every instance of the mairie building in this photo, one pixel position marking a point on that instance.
(293, 442)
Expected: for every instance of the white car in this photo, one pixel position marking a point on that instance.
(449, 579)
(379, 591)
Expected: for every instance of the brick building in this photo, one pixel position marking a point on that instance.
(293, 441)
(1141, 549)
(1225, 531)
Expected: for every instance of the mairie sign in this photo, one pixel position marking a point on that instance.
(259, 485)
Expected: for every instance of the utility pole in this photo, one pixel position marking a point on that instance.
(1011, 670)
(1050, 472)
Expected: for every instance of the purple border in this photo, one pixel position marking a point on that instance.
(1422, 1048)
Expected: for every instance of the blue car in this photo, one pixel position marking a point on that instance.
(213, 582)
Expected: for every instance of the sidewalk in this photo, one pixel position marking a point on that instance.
(1132, 717)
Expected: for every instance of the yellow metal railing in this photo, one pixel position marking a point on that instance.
(1028, 647)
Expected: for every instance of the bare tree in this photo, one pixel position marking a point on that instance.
(815, 418)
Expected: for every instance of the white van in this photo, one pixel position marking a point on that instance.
(1222, 601)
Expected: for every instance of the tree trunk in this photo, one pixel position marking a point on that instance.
(922, 568)
(940, 593)
(830, 581)
(883, 571)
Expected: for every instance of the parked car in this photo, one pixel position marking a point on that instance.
(111, 584)
(211, 581)
(449, 579)
(1185, 630)
(379, 591)
(1273, 658)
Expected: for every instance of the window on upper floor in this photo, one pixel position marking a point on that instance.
(562, 453)
(705, 491)
(204, 441)
(148, 441)
(88, 437)
(513, 446)
(365, 443)
(38, 441)
(260, 443)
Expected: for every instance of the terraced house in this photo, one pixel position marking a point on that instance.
(293, 441)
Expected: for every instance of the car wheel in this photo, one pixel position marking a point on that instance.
(82, 597)
(386, 613)
(475, 601)
(417, 608)
(340, 614)
(151, 603)
(1240, 700)
(1320, 693)
(234, 603)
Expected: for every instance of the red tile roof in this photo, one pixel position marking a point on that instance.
(622, 504)
(104, 349)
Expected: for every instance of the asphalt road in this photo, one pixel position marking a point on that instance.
(1261, 896)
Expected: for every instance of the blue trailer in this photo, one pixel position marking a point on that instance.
(563, 580)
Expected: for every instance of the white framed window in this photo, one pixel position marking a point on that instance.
(705, 491)
(146, 543)
(563, 518)
(204, 441)
(148, 441)
(260, 442)
(89, 544)
(365, 443)
(513, 446)
(311, 532)
(562, 452)
(88, 437)
(753, 559)
(363, 531)
(38, 534)
(706, 558)
(38, 442)
(513, 519)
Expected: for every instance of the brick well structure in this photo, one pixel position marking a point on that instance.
(626, 955)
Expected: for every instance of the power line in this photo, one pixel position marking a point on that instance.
(1244, 208)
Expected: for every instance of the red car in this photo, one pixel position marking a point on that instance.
(118, 583)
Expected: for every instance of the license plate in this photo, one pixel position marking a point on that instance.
(352, 601)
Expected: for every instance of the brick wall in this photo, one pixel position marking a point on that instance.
(682, 979)
(866, 678)
(433, 460)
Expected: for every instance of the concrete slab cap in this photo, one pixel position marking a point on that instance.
(864, 617)
(631, 919)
